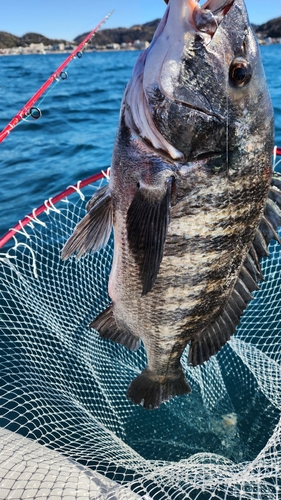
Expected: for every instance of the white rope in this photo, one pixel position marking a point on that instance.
(5, 256)
(106, 174)
(50, 206)
(20, 231)
(275, 161)
(78, 190)
(34, 218)
(34, 267)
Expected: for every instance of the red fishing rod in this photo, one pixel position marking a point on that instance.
(29, 109)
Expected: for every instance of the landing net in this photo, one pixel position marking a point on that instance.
(67, 429)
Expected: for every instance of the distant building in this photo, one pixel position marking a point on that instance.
(113, 46)
(70, 46)
(58, 46)
(36, 48)
(141, 45)
(99, 47)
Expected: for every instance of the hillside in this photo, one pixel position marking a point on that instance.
(271, 28)
(145, 32)
(123, 35)
(8, 41)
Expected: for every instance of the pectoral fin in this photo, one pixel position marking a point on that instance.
(147, 225)
(93, 231)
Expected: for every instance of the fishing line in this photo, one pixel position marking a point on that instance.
(32, 108)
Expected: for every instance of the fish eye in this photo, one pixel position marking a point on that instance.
(240, 72)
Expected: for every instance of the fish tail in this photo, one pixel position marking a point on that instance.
(150, 390)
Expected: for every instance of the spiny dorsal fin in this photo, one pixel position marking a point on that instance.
(215, 335)
(247, 278)
(276, 181)
(251, 267)
(147, 225)
(253, 255)
(268, 230)
(93, 231)
(270, 222)
(260, 245)
(106, 325)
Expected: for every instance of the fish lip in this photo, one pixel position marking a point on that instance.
(209, 155)
(201, 109)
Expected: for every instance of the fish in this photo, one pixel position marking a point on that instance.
(192, 199)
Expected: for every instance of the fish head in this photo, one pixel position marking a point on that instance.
(199, 90)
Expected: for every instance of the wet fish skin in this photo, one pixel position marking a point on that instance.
(190, 178)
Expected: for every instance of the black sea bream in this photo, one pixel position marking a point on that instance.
(191, 197)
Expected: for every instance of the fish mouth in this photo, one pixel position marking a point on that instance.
(206, 18)
(183, 21)
(159, 69)
(200, 109)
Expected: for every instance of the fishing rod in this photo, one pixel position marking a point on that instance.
(29, 109)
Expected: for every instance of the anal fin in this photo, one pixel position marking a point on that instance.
(106, 325)
(93, 231)
(150, 391)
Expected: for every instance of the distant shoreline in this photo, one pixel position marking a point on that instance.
(50, 52)
(131, 49)
(113, 39)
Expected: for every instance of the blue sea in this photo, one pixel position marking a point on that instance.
(72, 140)
(75, 135)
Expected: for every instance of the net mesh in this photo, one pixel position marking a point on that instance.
(64, 388)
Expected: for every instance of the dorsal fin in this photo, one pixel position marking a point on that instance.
(252, 268)
(216, 334)
(270, 222)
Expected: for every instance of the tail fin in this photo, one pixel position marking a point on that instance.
(150, 390)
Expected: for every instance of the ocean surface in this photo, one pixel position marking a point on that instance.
(75, 135)
(73, 140)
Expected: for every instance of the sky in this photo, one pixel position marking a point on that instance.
(67, 19)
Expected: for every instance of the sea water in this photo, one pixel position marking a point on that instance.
(72, 140)
(74, 137)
